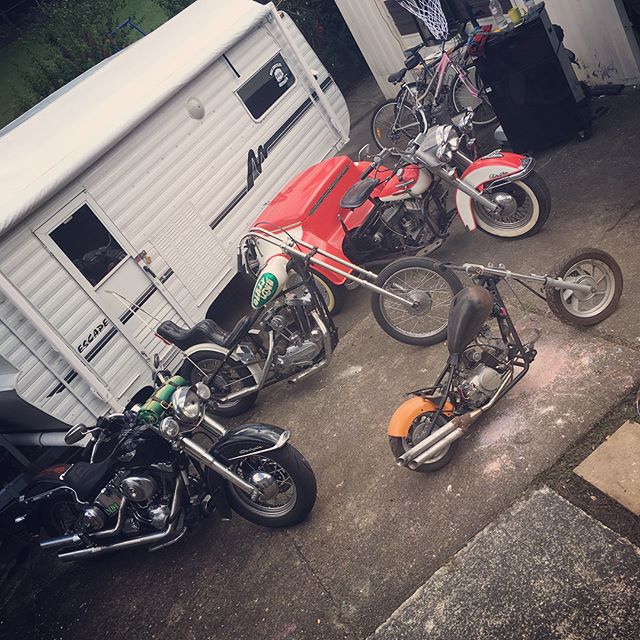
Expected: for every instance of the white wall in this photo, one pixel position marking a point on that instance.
(600, 34)
(378, 38)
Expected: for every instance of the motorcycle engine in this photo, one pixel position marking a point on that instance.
(483, 371)
(296, 345)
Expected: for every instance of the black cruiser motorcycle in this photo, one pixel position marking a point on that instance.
(147, 479)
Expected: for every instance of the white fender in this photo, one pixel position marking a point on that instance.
(485, 170)
(254, 369)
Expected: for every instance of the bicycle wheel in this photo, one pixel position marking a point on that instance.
(461, 99)
(394, 125)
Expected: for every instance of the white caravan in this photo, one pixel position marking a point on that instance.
(139, 177)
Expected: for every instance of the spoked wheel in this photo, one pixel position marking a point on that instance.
(596, 269)
(233, 376)
(421, 428)
(525, 208)
(291, 488)
(430, 292)
(393, 125)
(462, 99)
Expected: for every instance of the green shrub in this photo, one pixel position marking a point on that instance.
(76, 35)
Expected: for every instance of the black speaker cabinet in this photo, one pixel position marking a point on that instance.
(532, 86)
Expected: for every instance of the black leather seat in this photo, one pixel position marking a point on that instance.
(396, 77)
(88, 477)
(357, 194)
(203, 332)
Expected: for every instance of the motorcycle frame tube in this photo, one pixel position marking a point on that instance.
(368, 274)
(504, 274)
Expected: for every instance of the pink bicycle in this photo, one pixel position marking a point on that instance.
(447, 85)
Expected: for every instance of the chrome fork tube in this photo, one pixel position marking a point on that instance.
(474, 194)
(202, 455)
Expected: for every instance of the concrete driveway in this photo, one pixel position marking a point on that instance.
(378, 532)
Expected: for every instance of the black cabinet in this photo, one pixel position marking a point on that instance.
(532, 86)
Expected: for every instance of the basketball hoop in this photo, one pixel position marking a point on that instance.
(430, 12)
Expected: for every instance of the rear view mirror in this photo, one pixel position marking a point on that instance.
(156, 361)
(364, 152)
(75, 434)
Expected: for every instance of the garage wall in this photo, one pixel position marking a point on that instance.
(600, 34)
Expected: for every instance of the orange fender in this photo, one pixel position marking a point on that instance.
(408, 411)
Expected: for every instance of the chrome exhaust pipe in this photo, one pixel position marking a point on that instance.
(87, 552)
(61, 542)
(448, 433)
(326, 338)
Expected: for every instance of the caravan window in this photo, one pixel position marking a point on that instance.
(88, 244)
(267, 86)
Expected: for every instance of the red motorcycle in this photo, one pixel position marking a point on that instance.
(368, 214)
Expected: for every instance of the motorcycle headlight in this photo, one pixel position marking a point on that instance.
(169, 428)
(188, 406)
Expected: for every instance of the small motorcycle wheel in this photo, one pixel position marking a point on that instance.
(527, 207)
(233, 376)
(421, 428)
(296, 485)
(592, 267)
(430, 291)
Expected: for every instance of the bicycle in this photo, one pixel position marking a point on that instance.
(430, 100)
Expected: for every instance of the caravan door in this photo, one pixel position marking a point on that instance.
(112, 337)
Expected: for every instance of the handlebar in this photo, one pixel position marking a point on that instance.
(374, 165)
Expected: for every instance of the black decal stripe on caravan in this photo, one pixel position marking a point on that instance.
(102, 343)
(271, 143)
(128, 314)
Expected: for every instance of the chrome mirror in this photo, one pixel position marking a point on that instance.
(364, 151)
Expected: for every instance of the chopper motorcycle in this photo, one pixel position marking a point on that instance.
(145, 480)
(290, 334)
(369, 214)
(483, 366)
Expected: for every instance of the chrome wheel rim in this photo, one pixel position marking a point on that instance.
(282, 503)
(429, 290)
(593, 273)
(510, 216)
(423, 424)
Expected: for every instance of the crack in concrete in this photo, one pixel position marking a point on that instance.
(623, 215)
(340, 625)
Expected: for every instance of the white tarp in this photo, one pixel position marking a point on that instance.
(61, 138)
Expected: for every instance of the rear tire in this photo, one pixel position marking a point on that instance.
(588, 266)
(208, 360)
(461, 98)
(399, 446)
(293, 474)
(418, 279)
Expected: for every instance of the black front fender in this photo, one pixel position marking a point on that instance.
(247, 439)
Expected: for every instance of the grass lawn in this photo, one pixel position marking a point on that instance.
(16, 57)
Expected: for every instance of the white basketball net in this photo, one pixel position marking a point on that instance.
(430, 12)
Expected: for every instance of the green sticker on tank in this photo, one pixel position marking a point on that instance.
(265, 288)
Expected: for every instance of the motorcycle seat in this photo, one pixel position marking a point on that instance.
(204, 332)
(396, 77)
(87, 477)
(357, 194)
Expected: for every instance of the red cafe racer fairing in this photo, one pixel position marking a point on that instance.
(369, 214)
